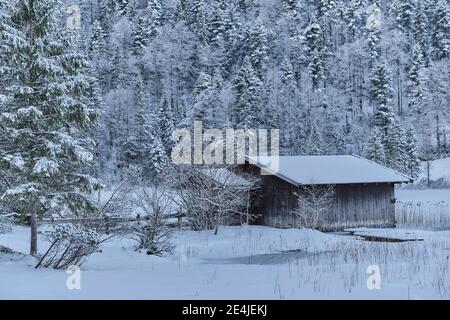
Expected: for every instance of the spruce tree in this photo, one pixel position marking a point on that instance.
(165, 123)
(98, 43)
(380, 84)
(45, 117)
(420, 29)
(316, 69)
(201, 91)
(148, 20)
(316, 52)
(374, 149)
(287, 74)
(413, 162)
(154, 157)
(314, 38)
(135, 147)
(373, 45)
(419, 93)
(380, 94)
(441, 30)
(416, 64)
(325, 7)
(247, 87)
(257, 48)
(140, 35)
(106, 12)
(314, 143)
(158, 156)
(128, 8)
(395, 147)
(402, 11)
(198, 19)
(355, 17)
(220, 22)
(207, 105)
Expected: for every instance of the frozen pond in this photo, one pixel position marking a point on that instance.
(270, 258)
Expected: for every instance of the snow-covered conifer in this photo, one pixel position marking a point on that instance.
(46, 115)
(374, 149)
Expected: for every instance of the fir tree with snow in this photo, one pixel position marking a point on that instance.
(420, 29)
(98, 43)
(198, 19)
(166, 124)
(158, 154)
(247, 106)
(316, 50)
(402, 10)
(417, 63)
(44, 145)
(288, 75)
(257, 48)
(413, 162)
(419, 93)
(441, 29)
(381, 84)
(395, 147)
(314, 144)
(355, 16)
(374, 149)
(373, 45)
(207, 105)
(316, 69)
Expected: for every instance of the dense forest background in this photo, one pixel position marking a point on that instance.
(335, 76)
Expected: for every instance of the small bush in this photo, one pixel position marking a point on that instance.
(153, 233)
(70, 245)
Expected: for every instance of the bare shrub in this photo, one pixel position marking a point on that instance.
(314, 202)
(210, 196)
(70, 245)
(152, 233)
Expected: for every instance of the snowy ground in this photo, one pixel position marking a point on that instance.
(253, 262)
(248, 262)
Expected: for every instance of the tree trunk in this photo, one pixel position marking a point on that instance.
(248, 205)
(33, 242)
(216, 229)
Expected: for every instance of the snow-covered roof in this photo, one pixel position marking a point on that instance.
(336, 169)
(225, 176)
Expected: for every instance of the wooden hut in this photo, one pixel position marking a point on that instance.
(363, 191)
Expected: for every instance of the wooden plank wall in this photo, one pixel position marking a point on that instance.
(362, 205)
(278, 202)
(357, 205)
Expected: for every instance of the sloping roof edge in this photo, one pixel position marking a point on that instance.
(295, 183)
(387, 168)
